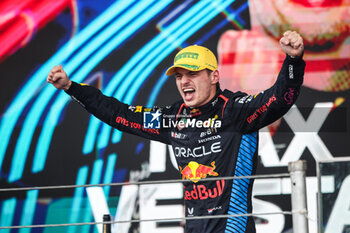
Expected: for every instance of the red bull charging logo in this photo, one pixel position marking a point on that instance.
(195, 171)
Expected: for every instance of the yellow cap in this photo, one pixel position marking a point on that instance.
(194, 58)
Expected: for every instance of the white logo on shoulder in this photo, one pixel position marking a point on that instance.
(244, 99)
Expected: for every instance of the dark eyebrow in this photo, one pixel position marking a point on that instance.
(192, 72)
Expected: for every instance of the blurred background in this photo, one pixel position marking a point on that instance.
(124, 48)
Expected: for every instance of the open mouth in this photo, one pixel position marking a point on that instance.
(188, 93)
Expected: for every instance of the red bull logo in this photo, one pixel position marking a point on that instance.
(195, 171)
(201, 192)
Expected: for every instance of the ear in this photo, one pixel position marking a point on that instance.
(215, 77)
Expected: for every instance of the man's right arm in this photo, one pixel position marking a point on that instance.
(108, 109)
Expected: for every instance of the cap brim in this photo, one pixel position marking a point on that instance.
(171, 70)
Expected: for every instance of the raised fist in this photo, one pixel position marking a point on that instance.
(59, 78)
(292, 43)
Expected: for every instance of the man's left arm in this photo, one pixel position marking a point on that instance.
(257, 111)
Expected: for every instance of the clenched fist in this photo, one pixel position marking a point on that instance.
(292, 44)
(59, 78)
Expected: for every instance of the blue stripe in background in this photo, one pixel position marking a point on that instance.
(29, 210)
(239, 192)
(95, 179)
(77, 199)
(7, 213)
(108, 178)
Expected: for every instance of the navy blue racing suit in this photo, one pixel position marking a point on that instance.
(215, 140)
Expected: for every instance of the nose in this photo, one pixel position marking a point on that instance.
(184, 79)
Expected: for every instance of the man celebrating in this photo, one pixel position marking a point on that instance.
(212, 132)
